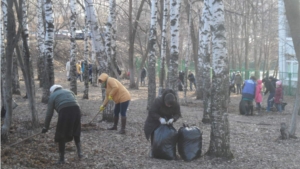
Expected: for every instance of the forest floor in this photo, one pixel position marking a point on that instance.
(253, 139)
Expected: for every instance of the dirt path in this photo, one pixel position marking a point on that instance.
(252, 138)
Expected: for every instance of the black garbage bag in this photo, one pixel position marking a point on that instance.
(164, 142)
(246, 107)
(189, 142)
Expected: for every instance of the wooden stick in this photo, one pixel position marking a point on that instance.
(28, 137)
(93, 118)
(48, 129)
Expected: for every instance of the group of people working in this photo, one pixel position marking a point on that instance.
(252, 90)
(80, 68)
(165, 110)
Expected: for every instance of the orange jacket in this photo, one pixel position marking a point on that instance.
(114, 89)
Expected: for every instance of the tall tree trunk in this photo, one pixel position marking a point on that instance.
(175, 6)
(97, 43)
(73, 47)
(28, 70)
(162, 75)
(15, 82)
(86, 77)
(89, 6)
(188, 53)
(151, 55)
(48, 60)
(110, 40)
(205, 57)
(292, 8)
(220, 134)
(11, 41)
(40, 41)
(132, 33)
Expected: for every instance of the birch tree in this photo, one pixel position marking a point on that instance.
(40, 41)
(73, 48)
(175, 6)
(110, 40)
(86, 57)
(292, 8)
(219, 137)
(204, 63)
(48, 60)
(151, 55)
(188, 54)
(97, 42)
(26, 63)
(163, 52)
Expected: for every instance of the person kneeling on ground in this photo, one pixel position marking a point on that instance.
(164, 110)
(248, 94)
(69, 119)
(119, 94)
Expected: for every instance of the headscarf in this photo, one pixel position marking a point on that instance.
(54, 87)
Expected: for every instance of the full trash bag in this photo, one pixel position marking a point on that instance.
(164, 142)
(189, 142)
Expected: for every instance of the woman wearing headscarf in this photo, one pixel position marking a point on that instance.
(164, 110)
(119, 94)
(69, 119)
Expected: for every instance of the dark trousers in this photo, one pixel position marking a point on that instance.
(121, 108)
(238, 89)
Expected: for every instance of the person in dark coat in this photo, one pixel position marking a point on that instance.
(69, 119)
(238, 80)
(270, 87)
(192, 80)
(143, 75)
(164, 110)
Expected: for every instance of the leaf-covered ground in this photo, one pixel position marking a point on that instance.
(253, 139)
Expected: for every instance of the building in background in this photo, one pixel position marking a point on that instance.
(288, 64)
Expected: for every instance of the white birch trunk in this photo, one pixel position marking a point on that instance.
(188, 55)
(108, 31)
(86, 58)
(113, 33)
(151, 55)
(220, 134)
(96, 36)
(28, 71)
(40, 41)
(73, 49)
(48, 52)
(175, 6)
(204, 59)
(93, 51)
(163, 53)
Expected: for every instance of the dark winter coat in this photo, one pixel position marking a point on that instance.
(191, 77)
(159, 109)
(269, 86)
(238, 79)
(144, 73)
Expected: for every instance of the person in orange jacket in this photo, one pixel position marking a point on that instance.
(119, 94)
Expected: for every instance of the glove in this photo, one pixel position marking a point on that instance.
(44, 130)
(110, 98)
(102, 108)
(162, 120)
(170, 121)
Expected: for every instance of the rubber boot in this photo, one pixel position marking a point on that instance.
(61, 159)
(78, 146)
(123, 121)
(115, 126)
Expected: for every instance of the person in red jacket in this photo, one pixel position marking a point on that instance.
(258, 95)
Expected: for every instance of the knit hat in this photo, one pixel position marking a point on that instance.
(54, 87)
(278, 83)
(170, 99)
